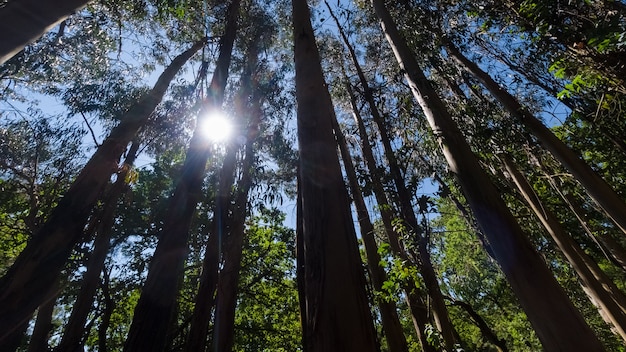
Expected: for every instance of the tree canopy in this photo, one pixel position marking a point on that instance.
(243, 175)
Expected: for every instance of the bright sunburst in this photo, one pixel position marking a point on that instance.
(217, 127)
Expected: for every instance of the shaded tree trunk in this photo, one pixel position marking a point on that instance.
(558, 324)
(105, 320)
(24, 286)
(24, 21)
(75, 327)
(419, 310)
(224, 334)
(43, 324)
(337, 316)
(205, 299)
(426, 269)
(157, 303)
(228, 279)
(596, 187)
(388, 311)
(601, 290)
(482, 325)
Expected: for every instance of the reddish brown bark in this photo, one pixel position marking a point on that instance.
(337, 315)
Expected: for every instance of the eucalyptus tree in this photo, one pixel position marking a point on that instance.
(519, 261)
(336, 312)
(26, 283)
(156, 306)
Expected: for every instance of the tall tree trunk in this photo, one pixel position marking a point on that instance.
(75, 327)
(43, 325)
(24, 21)
(337, 311)
(440, 312)
(388, 311)
(24, 286)
(558, 324)
(157, 303)
(228, 279)
(224, 334)
(608, 245)
(419, 310)
(596, 187)
(107, 312)
(601, 290)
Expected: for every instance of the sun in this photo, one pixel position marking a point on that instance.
(217, 127)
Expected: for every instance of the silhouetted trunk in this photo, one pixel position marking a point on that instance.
(105, 320)
(419, 311)
(227, 287)
(224, 331)
(157, 303)
(601, 290)
(24, 286)
(440, 312)
(482, 325)
(558, 324)
(43, 324)
(24, 21)
(337, 311)
(205, 299)
(596, 187)
(75, 328)
(388, 312)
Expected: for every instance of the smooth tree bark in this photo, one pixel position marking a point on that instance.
(337, 315)
(426, 269)
(156, 306)
(205, 299)
(74, 329)
(420, 313)
(24, 21)
(602, 292)
(224, 333)
(392, 328)
(228, 279)
(600, 191)
(34, 272)
(558, 324)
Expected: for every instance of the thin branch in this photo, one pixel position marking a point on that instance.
(93, 135)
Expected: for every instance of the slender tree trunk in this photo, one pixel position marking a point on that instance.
(300, 272)
(75, 327)
(601, 290)
(419, 311)
(559, 326)
(337, 311)
(205, 299)
(482, 325)
(24, 21)
(224, 334)
(157, 303)
(388, 311)
(607, 244)
(23, 287)
(227, 287)
(596, 187)
(105, 320)
(426, 269)
(43, 325)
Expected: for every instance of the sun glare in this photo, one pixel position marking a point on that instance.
(217, 127)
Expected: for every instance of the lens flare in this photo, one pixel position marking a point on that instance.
(217, 127)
